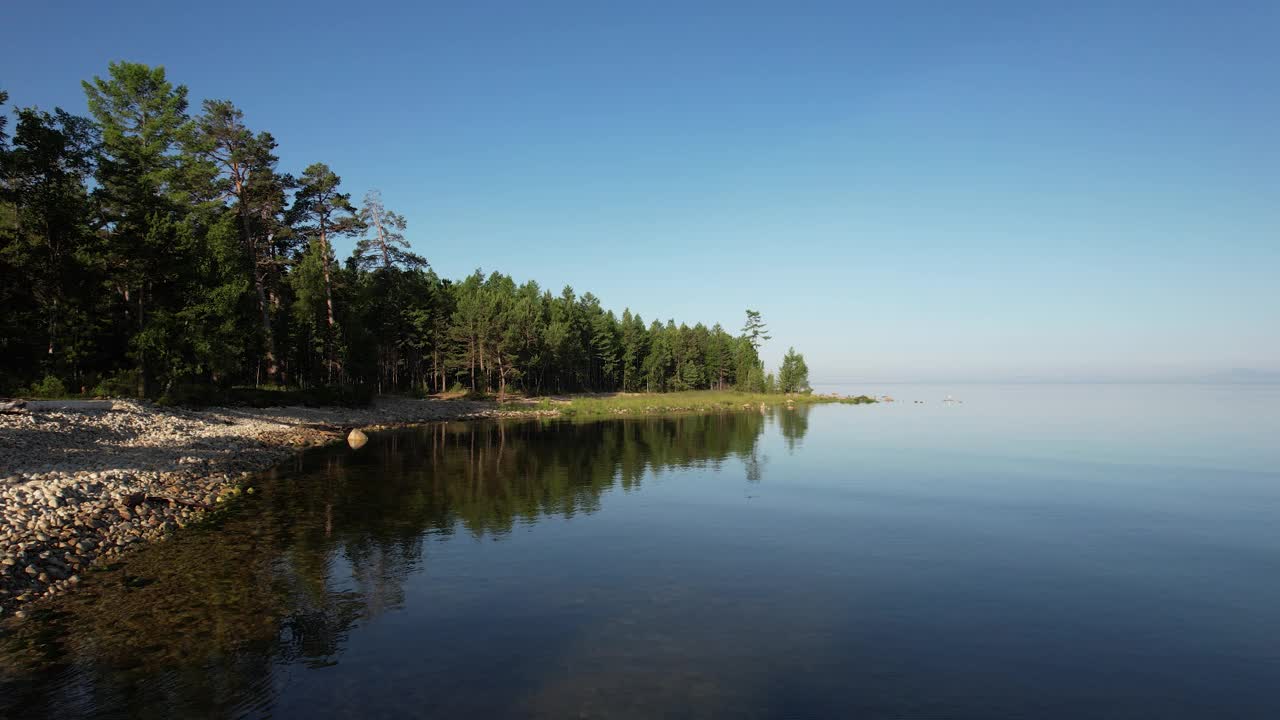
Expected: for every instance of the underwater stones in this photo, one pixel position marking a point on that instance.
(79, 488)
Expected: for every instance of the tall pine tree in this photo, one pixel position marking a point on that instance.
(143, 118)
(321, 213)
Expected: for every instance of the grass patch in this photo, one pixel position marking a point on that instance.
(533, 404)
(697, 401)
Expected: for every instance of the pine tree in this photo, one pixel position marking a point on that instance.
(45, 185)
(528, 320)
(144, 237)
(793, 377)
(755, 331)
(321, 213)
(387, 246)
(660, 360)
(143, 117)
(245, 166)
(468, 328)
(502, 337)
(719, 357)
(635, 347)
(604, 347)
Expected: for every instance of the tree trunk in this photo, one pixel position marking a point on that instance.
(330, 361)
(268, 337)
(382, 240)
(259, 284)
(143, 386)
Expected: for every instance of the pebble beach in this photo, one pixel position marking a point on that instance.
(81, 485)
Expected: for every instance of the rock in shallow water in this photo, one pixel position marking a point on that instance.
(356, 439)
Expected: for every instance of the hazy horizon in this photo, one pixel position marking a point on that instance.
(1069, 192)
(1231, 376)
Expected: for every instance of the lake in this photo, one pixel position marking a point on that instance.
(1064, 551)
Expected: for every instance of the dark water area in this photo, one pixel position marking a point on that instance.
(1009, 557)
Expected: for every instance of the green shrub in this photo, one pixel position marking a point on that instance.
(49, 387)
(122, 384)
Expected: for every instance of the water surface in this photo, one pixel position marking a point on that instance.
(1057, 552)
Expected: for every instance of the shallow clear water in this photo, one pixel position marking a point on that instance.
(1034, 551)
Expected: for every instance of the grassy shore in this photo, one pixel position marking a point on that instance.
(674, 402)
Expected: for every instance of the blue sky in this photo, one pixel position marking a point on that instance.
(907, 191)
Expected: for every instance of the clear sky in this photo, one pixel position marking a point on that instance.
(907, 191)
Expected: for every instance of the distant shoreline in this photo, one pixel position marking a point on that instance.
(1223, 383)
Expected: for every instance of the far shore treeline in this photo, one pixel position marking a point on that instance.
(159, 252)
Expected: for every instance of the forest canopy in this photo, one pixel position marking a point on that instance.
(154, 246)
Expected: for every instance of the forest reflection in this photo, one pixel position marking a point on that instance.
(202, 624)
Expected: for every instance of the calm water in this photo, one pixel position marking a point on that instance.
(1037, 551)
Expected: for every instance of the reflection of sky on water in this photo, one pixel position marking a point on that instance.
(1213, 426)
(1034, 551)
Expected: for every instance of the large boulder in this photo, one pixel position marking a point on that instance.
(356, 439)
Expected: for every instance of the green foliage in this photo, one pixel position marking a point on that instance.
(387, 247)
(754, 330)
(143, 202)
(168, 255)
(753, 379)
(49, 387)
(46, 279)
(793, 377)
(118, 385)
(251, 241)
(700, 401)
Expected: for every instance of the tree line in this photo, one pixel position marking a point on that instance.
(148, 248)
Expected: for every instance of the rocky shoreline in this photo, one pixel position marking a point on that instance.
(80, 486)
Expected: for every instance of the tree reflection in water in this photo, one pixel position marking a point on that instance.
(208, 622)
